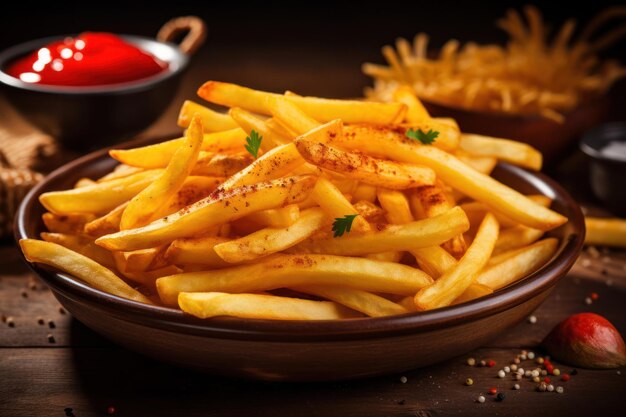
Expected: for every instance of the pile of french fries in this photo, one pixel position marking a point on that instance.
(302, 208)
(532, 74)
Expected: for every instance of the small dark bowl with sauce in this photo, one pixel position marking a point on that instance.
(607, 173)
(89, 117)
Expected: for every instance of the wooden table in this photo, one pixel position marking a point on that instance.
(83, 372)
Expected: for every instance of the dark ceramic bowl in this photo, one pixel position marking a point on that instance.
(548, 136)
(300, 350)
(93, 117)
(606, 174)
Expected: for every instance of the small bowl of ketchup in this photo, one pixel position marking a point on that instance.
(95, 88)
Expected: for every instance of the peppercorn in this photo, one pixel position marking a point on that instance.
(61, 310)
(588, 300)
(565, 377)
(402, 402)
(10, 321)
(507, 369)
(547, 380)
(471, 361)
(51, 338)
(559, 390)
(51, 324)
(594, 296)
(40, 321)
(481, 398)
(542, 387)
(540, 360)
(518, 377)
(501, 373)
(550, 388)
(493, 391)
(513, 367)
(491, 363)
(536, 379)
(516, 386)
(556, 372)
(110, 410)
(483, 363)
(573, 372)
(500, 396)
(24, 294)
(535, 373)
(544, 372)
(469, 381)
(403, 379)
(516, 361)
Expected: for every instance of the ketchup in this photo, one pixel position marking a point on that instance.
(90, 59)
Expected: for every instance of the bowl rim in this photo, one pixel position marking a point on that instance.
(601, 131)
(173, 320)
(180, 60)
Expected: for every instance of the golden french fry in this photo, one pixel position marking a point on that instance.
(290, 115)
(271, 240)
(258, 306)
(385, 256)
(416, 112)
(143, 207)
(99, 198)
(144, 259)
(521, 263)
(280, 217)
(80, 266)
(431, 201)
(194, 189)
(321, 109)
(218, 208)
(196, 251)
(121, 170)
(220, 165)
(473, 292)
(448, 138)
(511, 151)
(418, 234)
(81, 244)
(84, 182)
(370, 211)
(71, 223)
(159, 155)
(273, 164)
(516, 237)
(212, 121)
(298, 270)
(456, 174)
(371, 305)
(482, 164)
(455, 281)
(605, 231)
(434, 260)
(109, 223)
(476, 211)
(369, 170)
(336, 205)
(272, 137)
(364, 192)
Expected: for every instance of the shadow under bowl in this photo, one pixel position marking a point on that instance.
(305, 350)
(548, 136)
(607, 175)
(92, 117)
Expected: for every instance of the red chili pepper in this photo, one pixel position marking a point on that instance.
(493, 391)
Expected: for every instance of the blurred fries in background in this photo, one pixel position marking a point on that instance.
(357, 208)
(533, 74)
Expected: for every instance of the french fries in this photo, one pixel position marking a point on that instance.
(80, 266)
(605, 231)
(298, 270)
(454, 282)
(351, 203)
(144, 207)
(258, 306)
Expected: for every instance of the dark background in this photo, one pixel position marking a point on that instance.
(280, 45)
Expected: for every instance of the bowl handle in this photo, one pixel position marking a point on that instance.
(194, 26)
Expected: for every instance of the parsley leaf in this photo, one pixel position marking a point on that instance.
(253, 143)
(342, 225)
(425, 138)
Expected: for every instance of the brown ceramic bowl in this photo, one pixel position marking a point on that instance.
(550, 137)
(298, 350)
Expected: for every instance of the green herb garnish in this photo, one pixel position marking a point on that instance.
(253, 143)
(425, 138)
(342, 225)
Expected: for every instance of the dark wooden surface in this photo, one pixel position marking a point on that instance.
(86, 373)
